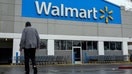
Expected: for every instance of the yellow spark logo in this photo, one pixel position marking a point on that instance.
(105, 11)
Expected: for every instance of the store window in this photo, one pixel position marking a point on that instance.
(76, 43)
(67, 44)
(63, 45)
(84, 45)
(118, 46)
(89, 45)
(92, 45)
(95, 45)
(43, 44)
(57, 44)
(106, 46)
(112, 45)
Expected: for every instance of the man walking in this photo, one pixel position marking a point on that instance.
(29, 42)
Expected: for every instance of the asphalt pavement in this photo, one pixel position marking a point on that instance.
(69, 69)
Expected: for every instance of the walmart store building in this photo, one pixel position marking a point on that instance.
(94, 27)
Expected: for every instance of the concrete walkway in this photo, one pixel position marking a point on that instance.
(68, 69)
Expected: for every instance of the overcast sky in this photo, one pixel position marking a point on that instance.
(125, 3)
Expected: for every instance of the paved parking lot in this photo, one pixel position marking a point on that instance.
(69, 69)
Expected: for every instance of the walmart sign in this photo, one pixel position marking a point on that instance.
(75, 10)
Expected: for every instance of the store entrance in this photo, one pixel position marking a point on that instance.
(6, 48)
(77, 55)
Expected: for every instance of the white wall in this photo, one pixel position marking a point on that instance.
(50, 47)
(101, 47)
(125, 48)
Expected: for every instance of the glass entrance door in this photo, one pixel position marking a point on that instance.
(77, 55)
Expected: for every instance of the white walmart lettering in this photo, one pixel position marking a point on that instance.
(65, 11)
